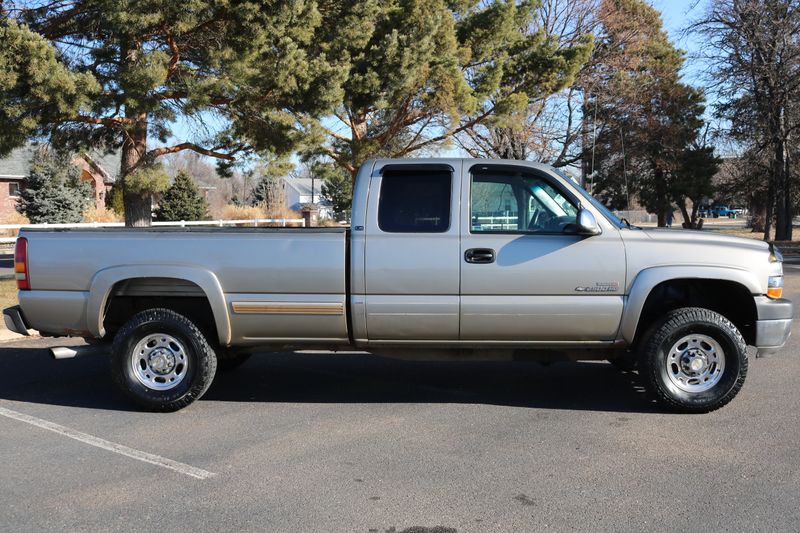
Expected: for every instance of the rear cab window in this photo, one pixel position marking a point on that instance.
(415, 201)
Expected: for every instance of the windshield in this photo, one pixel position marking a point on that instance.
(594, 201)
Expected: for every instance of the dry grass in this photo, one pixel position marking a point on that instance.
(238, 212)
(235, 212)
(13, 218)
(8, 293)
(282, 212)
(93, 214)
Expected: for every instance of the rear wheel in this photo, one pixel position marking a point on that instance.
(162, 361)
(694, 360)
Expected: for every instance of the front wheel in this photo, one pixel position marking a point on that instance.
(694, 360)
(162, 361)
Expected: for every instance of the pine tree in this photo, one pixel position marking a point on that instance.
(422, 71)
(337, 187)
(182, 201)
(117, 75)
(54, 192)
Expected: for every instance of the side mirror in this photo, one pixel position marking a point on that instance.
(587, 224)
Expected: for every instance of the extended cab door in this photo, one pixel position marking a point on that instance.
(526, 275)
(411, 258)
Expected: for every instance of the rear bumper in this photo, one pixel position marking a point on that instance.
(774, 324)
(15, 320)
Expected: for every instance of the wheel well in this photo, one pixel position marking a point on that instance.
(130, 296)
(728, 298)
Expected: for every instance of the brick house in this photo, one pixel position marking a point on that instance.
(99, 170)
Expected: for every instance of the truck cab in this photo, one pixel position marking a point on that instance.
(470, 253)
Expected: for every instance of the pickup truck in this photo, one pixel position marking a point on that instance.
(445, 258)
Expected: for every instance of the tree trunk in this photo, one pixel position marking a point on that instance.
(787, 199)
(138, 206)
(758, 213)
(783, 217)
(687, 218)
(585, 150)
(770, 209)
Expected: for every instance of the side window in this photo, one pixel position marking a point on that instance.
(415, 202)
(494, 206)
(513, 202)
(13, 189)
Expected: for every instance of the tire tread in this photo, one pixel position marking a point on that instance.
(663, 329)
(206, 360)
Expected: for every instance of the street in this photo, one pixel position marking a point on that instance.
(351, 442)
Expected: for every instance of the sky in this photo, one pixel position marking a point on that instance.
(677, 16)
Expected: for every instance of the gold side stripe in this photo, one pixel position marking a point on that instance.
(288, 308)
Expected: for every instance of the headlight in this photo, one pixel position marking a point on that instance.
(775, 286)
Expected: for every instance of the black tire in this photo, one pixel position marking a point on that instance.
(227, 362)
(681, 324)
(200, 361)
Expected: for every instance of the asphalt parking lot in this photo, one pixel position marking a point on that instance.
(349, 442)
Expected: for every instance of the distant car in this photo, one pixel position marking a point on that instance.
(722, 211)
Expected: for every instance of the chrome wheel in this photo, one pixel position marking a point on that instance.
(159, 361)
(695, 363)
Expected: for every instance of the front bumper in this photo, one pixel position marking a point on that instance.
(774, 324)
(15, 320)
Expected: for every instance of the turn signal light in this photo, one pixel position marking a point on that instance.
(21, 264)
(775, 286)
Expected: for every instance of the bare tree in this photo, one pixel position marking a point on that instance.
(753, 47)
(550, 130)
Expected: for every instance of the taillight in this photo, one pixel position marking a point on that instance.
(21, 264)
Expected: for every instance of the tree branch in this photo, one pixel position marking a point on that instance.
(176, 54)
(114, 122)
(439, 138)
(157, 152)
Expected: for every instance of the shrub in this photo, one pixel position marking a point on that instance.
(114, 201)
(182, 201)
(54, 193)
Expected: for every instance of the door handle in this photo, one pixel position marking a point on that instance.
(479, 255)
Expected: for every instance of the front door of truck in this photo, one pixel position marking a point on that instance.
(526, 275)
(412, 253)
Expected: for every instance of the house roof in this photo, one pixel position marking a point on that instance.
(16, 165)
(303, 185)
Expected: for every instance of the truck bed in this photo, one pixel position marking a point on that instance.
(277, 283)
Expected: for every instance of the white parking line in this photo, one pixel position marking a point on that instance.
(139, 455)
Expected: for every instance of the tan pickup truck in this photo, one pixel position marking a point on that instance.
(445, 258)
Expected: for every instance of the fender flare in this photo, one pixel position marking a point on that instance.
(104, 280)
(649, 278)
